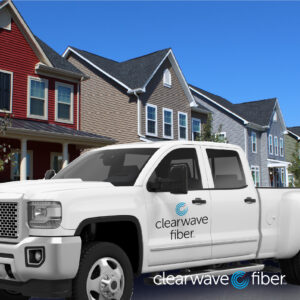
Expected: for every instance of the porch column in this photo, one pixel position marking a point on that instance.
(287, 176)
(65, 155)
(23, 160)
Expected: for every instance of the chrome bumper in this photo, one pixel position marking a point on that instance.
(62, 256)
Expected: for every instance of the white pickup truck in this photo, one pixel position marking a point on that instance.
(123, 210)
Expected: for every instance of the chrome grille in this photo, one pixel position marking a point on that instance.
(9, 220)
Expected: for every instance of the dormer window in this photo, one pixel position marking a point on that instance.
(275, 116)
(167, 78)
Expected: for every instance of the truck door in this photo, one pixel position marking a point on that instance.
(234, 205)
(178, 224)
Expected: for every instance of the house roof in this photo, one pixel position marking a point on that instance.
(55, 130)
(295, 130)
(257, 112)
(45, 53)
(57, 60)
(133, 73)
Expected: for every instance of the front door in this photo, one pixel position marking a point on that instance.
(179, 224)
(235, 206)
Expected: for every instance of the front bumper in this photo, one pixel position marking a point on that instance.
(61, 262)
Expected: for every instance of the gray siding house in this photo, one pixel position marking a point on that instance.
(257, 127)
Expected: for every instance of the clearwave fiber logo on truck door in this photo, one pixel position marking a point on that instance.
(181, 209)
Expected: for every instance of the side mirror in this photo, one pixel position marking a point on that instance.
(49, 174)
(176, 183)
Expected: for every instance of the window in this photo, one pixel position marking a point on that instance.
(167, 78)
(168, 123)
(64, 97)
(283, 177)
(275, 116)
(254, 142)
(38, 98)
(281, 149)
(56, 161)
(270, 144)
(196, 129)
(182, 126)
(187, 156)
(226, 169)
(276, 145)
(222, 137)
(15, 165)
(256, 175)
(5, 91)
(151, 119)
(120, 167)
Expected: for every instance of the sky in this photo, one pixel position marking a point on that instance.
(240, 50)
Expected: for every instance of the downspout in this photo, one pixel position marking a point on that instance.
(136, 92)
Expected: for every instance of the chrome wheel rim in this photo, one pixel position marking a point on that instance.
(105, 280)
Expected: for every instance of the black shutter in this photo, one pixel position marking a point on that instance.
(5, 80)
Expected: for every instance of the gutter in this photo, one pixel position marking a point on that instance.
(42, 69)
(136, 92)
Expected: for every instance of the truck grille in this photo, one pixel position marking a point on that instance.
(9, 220)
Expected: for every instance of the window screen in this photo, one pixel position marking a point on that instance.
(187, 156)
(226, 168)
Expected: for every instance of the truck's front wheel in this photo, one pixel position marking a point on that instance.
(105, 272)
(7, 295)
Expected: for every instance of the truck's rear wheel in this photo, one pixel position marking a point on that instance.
(291, 269)
(10, 295)
(105, 272)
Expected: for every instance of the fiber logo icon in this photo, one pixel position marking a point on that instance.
(239, 281)
(181, 209)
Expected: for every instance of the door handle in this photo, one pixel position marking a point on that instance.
(199, 201)
(249, 200)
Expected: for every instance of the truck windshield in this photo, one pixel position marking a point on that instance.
(121, 167)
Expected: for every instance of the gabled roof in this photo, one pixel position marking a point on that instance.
(46, 54)
(256, 112)
(133, 74)
(295, 131)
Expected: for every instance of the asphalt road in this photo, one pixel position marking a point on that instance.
(219, 292)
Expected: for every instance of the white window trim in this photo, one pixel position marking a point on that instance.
(270, 138)
(276, 148)
(172, 125)
(256, 169)
(252, 141)
(45, 117)
(221, 133)
(167, 73)
(186, 129)
(30, 152)
(196, 119)
(275, 117)
(149, 133)
(11, 90)
(71, 121)
(281, 139)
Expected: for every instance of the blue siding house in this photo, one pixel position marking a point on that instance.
(258, 127)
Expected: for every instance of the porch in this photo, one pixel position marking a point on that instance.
(38, 147)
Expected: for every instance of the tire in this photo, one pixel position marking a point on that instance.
(104, 270)
(291, 269)
(7, 295)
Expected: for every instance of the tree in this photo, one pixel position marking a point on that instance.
(294, 168)
(6, 154)
(207, 133)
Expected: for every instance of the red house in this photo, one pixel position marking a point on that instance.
(41, 91)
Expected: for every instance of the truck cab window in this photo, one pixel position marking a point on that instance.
(226, 168)
(187, 156)
(120, 167)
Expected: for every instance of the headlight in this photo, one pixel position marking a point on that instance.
(44, 214)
